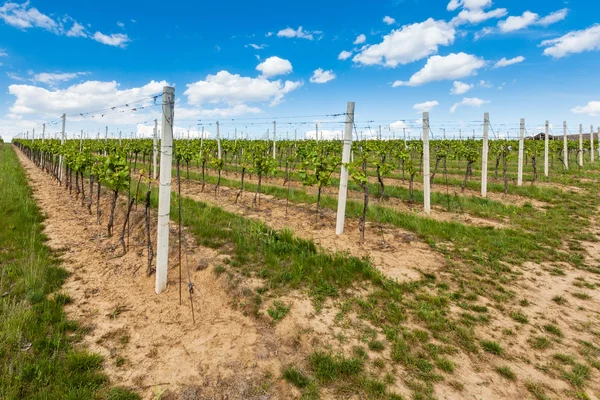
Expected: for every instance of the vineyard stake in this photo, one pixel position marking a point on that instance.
(164, 191)
(426, 173)
(546, 139)
(591, 143)
(62, 141)
(154, 148)
(565, 147)
(343, 191)
(105, 140)
(274, 140)
(484, 155)
(218, 142)
(580, 146)
(521, 145)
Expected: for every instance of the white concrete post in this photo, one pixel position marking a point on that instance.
(81, 141)
(317, 132)
(546, 149)
(484, 155)
(426, 173)
(591, 143)
(274, 140)
(598, 137)
(33, 134)
(580, 145)
(565, 146)
(218, 142)
(155, 149)
(62, 141)
(105, 139)
(521, 150)
(43, 132)
(120, 135)
(343, 191)
(379, 132)
(164, 190)
(404, 132)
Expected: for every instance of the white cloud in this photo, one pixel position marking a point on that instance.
(116, 39)
(53, 78)
(573, 42)
(320, 76)
(120, 24)
(398, 125)
(592, 109)
(389, 20)
(23, 16)
(344, 55)
(528, 18)
(477, 16)
(505, 63)
(360, 39)
(468, 4)
(486, 84)
(79, 98)
(324, 134)
(407, 44)
(274, 66)
(426, 106)
(257, 46)
(468, 101)
(452, 66)
(554, 17)
(15, 77)
(77, 30)
(232, 89)
(3, 53)
(460, 87)
(298, 33)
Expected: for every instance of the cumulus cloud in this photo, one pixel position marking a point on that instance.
(426, 106)
(120, 24)
(298, 33)
(505, 63)
(321, 76)
(274, 66)
(389, 20)
(437, 68)
(23, 16)
(460, 87)
(468, 101)
(344, 55)
(116, 39)
(407, 44)
(592, 109)
(50, 78)
(573, 42)
(528, 18)
(232, 89)
(324, 134)
(257, 46)
(468, 4)
(477, 16)
(3, 53)
(360, 39)
(398, 125)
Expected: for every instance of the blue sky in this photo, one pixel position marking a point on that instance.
(246, 63)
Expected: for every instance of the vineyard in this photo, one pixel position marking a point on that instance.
(455, 269)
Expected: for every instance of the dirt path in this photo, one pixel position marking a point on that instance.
(149, 342)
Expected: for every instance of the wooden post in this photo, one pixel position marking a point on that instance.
(164, 191)
(426, 173)
(484, 155)
(343, 191)
(521, 150)
(62, 141)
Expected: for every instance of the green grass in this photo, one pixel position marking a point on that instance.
(492, 347)
(278, 311)
(506, 372)
(38, 356)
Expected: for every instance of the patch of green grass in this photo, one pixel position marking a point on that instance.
(327, 367)
(537, 390)
(38, 359)
(540, 342)
(553, 329)
(376, 345)
(560, 300)
(296, 377)
(278, 310)
(492, 347)
(445, 364)
(564, 358)
(581, 295)
(506, 372)
(578, 375)
(519, 317)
